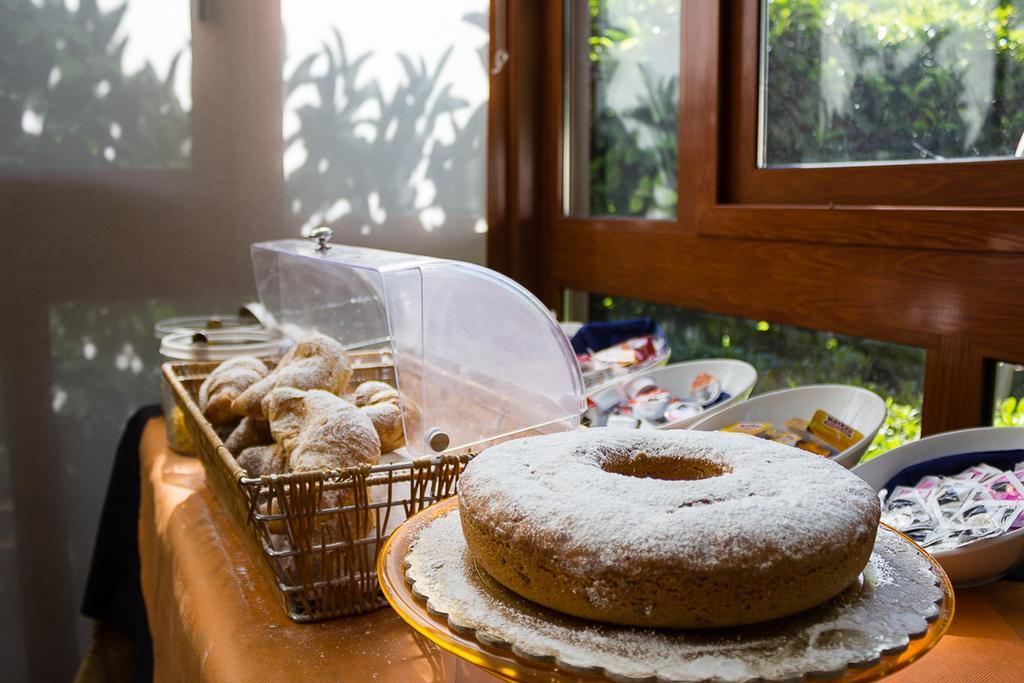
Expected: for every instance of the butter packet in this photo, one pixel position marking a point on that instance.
(759, 429)
(808, 441)
(833, 431)
(816, 448)
(785, 438)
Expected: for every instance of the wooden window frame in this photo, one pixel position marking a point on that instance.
(937, 277)
(953, 206)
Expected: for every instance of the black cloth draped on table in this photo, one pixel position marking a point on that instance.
(113, 593)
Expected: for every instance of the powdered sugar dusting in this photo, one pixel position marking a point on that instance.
(871, 618)
(772, 501)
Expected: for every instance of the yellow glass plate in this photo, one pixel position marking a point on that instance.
(503, 663)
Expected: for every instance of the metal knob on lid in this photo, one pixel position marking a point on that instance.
(322, 236)
(438, 440)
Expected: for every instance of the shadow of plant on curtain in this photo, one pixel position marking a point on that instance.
(369, 155)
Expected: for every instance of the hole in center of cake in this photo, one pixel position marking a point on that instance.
(680, 468)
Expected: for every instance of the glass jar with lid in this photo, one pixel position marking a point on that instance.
(213, 345)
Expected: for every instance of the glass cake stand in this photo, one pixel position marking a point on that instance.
(508, 662)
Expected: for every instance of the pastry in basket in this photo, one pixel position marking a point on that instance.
(369, 393)
(227, 382)
(315, 362)
(258, 461)
(667, 529)
(250, 432)
(387, 420)
(380, 402)
(320, 431)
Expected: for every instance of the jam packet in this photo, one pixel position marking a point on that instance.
(679, 409)
(705, 388)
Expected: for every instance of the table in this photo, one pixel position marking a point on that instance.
(213, 617)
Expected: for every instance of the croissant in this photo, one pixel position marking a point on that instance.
(315, 362)
(387, 421)
(249, 432)
(227, 382)
(373, 391)
(380, 402)
(318, 430)
(258, 461)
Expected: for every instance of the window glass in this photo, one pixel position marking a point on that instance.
(1008, 396)
(623, 64)
(384, 128)
(855, 81)
(789, 356)
(95, 84)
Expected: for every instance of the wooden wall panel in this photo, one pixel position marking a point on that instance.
(515, 175)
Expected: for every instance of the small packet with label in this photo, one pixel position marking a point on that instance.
(965, 535)
(979, 495)
(1000, 513)
(678, 409)
(808, 441)
(816, 448)
(1018, 522)
(1006, 486)
(705, 388)
(903, 491)
(978, 473)
(785, 438)
(908, 513)
(928, 482)
(758, 429)
(930, 537)
(949, 496)
(833, 431)
(921, 536)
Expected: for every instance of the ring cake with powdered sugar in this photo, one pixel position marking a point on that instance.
(666, 529)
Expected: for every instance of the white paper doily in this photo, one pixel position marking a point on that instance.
(898, 595)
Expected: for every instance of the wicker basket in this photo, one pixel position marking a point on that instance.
(316, 534)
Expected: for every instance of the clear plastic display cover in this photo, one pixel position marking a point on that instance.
(477, 357)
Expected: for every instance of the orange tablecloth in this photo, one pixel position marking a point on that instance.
(213, 617)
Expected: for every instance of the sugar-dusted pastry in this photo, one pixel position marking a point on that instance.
(315, 362)
(387, 420)
(249, 432)
(373, 391)
(319, 431)
(262, 460)
(228, 381)
(224, 430)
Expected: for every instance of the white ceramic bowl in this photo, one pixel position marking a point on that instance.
(979, 562)
(860, 408)
(737, 377)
